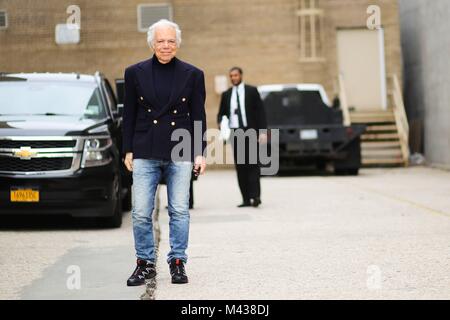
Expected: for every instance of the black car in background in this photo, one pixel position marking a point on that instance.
(311, 132)
(60, 142)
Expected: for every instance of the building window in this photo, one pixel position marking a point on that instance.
(67, 33)
(311, 31)
(151, 13)
(3, 20)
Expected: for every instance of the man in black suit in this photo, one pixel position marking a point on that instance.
(243, 107)
(162, 94)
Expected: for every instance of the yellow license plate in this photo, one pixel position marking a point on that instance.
(24, 195)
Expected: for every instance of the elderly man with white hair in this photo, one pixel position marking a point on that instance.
(162, 94)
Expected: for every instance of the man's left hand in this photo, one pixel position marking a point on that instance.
(200, 164)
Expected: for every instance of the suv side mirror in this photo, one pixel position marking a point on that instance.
(120, 109)
(120, 89)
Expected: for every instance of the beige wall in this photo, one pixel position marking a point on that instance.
(261, 36)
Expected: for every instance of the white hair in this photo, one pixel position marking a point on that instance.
(163, 23)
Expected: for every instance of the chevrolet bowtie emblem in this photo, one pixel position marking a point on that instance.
(25, 153)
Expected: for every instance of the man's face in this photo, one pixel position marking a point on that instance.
(165, 44)
(235, 77)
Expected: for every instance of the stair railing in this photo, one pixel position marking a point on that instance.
(344, 101)
(400, 117)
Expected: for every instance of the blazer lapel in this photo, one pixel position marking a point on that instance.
(230, 94)
(246, 99)
(181, 76)
(146, 82)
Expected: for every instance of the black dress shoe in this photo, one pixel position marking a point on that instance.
(256, 202)
(177, 271)
(245, 204)
(145, 270)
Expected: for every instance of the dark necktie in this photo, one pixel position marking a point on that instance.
(238, 110)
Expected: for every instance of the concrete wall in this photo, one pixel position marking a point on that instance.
(262, 36)
(425, 26)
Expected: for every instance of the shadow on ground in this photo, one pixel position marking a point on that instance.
(32, 222)
(305, 173)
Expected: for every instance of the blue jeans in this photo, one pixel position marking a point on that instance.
(147, 173)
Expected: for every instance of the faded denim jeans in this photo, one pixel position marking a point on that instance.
(147, 173)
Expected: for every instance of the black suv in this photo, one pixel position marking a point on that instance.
(60, 142)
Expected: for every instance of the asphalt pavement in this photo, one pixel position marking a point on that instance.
(382, 235)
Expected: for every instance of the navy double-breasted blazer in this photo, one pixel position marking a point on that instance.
(148, 125)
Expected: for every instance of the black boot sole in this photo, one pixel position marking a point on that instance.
(179, 281)
(135, 284)
(140, 282)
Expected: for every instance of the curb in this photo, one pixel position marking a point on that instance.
(151, 285)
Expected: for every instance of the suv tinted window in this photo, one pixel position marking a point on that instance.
(51, 98)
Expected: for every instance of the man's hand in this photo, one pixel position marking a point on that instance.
(200, 164)
(129, 161)
(262, 139)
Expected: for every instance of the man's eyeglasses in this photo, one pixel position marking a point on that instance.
(170, 43)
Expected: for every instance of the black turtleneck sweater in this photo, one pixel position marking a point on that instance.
(163, 76)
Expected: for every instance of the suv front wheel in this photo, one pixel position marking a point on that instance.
(115, 221)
